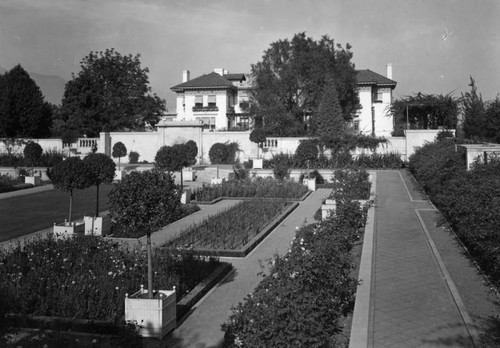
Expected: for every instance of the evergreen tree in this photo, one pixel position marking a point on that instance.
(23, 111)
(329, 122)
(474, 113)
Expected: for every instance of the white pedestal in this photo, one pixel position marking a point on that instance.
(328, 209)
(216, 181)
(120, 174)
(66, 229)
(34, 180)
(258, 163)
(186, 196)
(310, 183)
(97, 226)
(157, 316)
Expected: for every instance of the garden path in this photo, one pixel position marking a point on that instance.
(202, 328)
(413, 301)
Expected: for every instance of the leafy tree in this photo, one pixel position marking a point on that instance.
(119, 151)
(99, 169)
(218, 154)
(474, 113)
(67, 176)
(133, 157)
(111, 92)
(492, 126)
(145, 201)
(329, 122)
(192, 151)
(32, 153)
(23, 111)
(258, 136)
(306, 152)
(172, 159)
(289, 81)
(424, 111)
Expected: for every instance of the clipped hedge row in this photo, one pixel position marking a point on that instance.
(469, 200)
(307, 291)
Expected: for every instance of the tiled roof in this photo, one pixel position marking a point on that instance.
(368, 77)
(235, 77)
(212, 80)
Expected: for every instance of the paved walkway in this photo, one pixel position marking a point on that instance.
(413, 301)
(201, 329)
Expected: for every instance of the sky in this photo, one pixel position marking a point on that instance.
(52, 36)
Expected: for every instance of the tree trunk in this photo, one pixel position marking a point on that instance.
(119, 163)
(181, 180)
(150, 266)
(70, 205)
(97, 202)
(217, 170)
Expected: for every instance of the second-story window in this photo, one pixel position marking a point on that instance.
(377, 95)
(211, 101)
(198, 101)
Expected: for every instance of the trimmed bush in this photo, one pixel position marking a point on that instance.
(306, 153)
(32, 153)
(133, 157)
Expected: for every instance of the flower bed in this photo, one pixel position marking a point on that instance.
(232, 229)
(262, 188)
(306, 291)
(87, 277)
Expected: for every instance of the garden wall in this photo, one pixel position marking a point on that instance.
(46, 144)
(169, 133)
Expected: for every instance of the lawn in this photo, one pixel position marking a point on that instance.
(29, 213)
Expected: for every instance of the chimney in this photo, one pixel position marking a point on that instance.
(389, 71)
(220, 71)
(185, 75)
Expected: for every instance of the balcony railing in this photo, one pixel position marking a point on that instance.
(205, 108)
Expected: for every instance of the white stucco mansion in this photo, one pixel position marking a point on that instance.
(219, 100)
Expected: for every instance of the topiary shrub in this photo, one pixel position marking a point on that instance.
(133, 157)
(306, 153)
(32, 153)
(119, 151)
(192, 152)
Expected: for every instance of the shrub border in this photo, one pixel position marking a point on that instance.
(247, 248)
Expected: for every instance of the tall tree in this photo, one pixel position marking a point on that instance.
(119, 151)
(474, 113)
(23, 111)
(289, 80)
(111, 92)
(492, 126)
(328, 121)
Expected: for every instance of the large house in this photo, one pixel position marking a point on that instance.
(219, 100)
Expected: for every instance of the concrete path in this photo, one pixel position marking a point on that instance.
(413, 301)
(201, 329)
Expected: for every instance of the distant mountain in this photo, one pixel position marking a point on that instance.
(52, 87)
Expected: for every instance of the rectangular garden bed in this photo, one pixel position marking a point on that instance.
(245, 247)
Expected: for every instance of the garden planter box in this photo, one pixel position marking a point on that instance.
(97, 226)
(328, 209)
(310, 183)
(120, 174)
(186, 196)
(258, 163)
(157, 316)
(68, 230)
(33, 180)
(216, 181)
